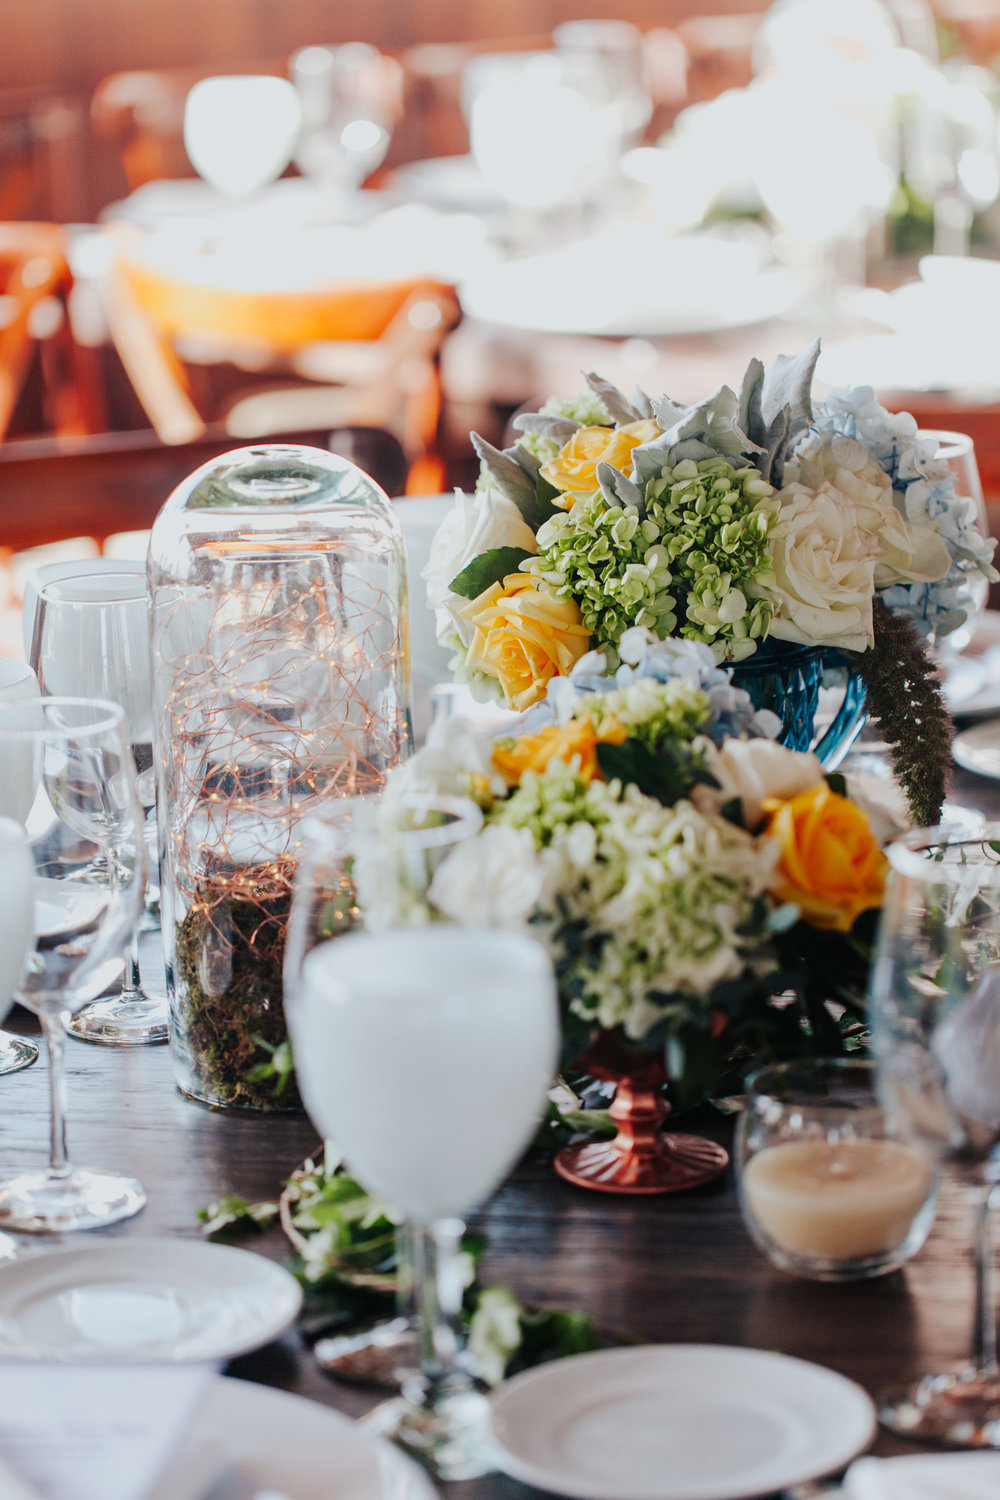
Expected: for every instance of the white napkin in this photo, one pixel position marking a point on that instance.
(92, 1432)
(925, 1476)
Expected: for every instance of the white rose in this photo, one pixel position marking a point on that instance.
(752, 770)
(478, 523)
(824, 570)
(491, 880)
(912, 551)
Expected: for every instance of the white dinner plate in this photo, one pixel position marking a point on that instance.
(143, 1300)
(978, 749)
(678, 1422)
(698, 284)
(288, 1446)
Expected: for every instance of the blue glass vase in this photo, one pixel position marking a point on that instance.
(786, 678)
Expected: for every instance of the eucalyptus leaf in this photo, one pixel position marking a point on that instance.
(617, 406)
(617, 489)
(486, 570)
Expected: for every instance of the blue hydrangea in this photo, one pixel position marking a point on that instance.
(925, 490)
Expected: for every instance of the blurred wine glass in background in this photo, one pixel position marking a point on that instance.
(545, 128)
(349, 96)
(240, 131)
(619, 45)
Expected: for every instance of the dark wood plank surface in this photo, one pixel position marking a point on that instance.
(674, 1269)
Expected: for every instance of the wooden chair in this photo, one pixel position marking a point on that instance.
(35, 283)
(362, 354)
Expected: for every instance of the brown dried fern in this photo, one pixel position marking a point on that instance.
(905, 704)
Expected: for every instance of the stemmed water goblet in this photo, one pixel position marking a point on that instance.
(17, 681)
(91, 635)
(956, 451)
(935, 1011)
(76, 749)
(425, 1052)
(397, 868)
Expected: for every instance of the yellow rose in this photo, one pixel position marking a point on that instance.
(532, 752)
(831, 865)
(574, 469)
(524, 637)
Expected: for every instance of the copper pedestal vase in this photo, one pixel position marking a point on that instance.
(642, 1157)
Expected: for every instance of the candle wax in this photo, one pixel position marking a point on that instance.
(839, 1200)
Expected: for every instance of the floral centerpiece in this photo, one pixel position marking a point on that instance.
(683, 868)
(746, 519)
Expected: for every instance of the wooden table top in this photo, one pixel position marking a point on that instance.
(677, 1268)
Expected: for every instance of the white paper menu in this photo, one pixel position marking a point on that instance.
(93, 1432)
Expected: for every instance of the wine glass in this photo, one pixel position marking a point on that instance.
(240, 131)
(956, 451)
(17, 680)
(935, 1011)
(91, 634)
(348, 96)
(325, 905)
(77, 750)
(425, 1052)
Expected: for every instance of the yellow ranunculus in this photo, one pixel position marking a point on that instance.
(523, 637)
(579, 738)
(831, 865)
(574, 468)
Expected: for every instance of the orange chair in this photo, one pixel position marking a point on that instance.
(35, 282)
(338, 354)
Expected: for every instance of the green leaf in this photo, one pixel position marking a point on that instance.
(837, 783)
(487, 569)
(667, 773)
(230, 1217)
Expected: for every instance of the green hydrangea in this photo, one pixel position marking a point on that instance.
(612, 564)
(654, 903)
(587, 409)
(652, 711)
(715, 522)
(556, 799)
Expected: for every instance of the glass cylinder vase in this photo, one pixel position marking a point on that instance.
(281, 680)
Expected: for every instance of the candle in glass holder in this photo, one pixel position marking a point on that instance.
(825, 1191)
(841, 1200)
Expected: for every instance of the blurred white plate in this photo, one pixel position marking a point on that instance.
(61, 908)
(678, 1422)
(449, 182)
(633, 281)
(286, 1445)
(143, 1300)
(978, 749)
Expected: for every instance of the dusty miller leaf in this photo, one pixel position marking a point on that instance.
(560, 428)
(617, 406)
(507, 472)
(617, 489)
(788, 382)
(715, 423)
